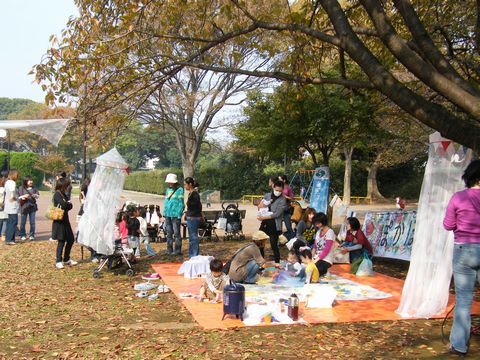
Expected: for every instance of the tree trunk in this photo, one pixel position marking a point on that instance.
(347, 151)
(372, 187)
(189, 148)
(188, 168)
(431, 114)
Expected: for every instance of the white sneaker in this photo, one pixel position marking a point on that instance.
(95, 260)
(23, 238)
(51, 239)
(71, 263)
(145, 286)
(32, 238)
(59, 265)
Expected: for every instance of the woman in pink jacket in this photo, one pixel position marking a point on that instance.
(463, 218)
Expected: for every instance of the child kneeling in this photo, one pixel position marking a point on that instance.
(212, 288)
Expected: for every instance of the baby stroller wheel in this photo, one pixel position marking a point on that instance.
(96, 274)
(129, 272)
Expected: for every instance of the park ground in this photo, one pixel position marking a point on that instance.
(66, 314)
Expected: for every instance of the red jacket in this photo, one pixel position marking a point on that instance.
(361, 239)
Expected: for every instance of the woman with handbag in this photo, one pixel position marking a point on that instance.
(61, 228)
(28, 195)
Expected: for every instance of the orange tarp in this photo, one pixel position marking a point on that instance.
(209, 316)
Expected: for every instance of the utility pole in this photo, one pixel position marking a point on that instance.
(8, 150)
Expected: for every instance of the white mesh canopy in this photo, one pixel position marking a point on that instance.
(50, 129)
(96, 226)
(425, 292)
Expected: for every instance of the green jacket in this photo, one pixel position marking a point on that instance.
(174, 203)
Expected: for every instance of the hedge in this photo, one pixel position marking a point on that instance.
(152, 182)
(24, 162)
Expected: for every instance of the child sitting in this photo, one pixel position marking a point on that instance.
(212, 288)
(311, 272)
(292, 265)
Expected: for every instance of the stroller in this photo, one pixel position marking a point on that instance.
(206, 231)
(233, 228)
(119, 256)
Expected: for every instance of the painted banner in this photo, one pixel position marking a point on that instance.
(391, 233)
(320, 186)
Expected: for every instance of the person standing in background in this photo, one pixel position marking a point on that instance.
(11, 206)
(271, 222)
(61, 229)
(3, 214)
(193, 216)
(173, 211)
(462, 217)
(68, 190)
(287, 216)
(28, 195)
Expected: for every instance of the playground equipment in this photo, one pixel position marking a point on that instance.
(301, 182)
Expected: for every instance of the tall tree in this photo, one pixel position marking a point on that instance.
(314, 119)
(189, 101)
(423, 57)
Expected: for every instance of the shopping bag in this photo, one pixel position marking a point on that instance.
(222, 223)
(55, 213)
(339, 258)
(355, 265)
(290, 243)
(365, 268)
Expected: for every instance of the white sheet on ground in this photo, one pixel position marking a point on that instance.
(196, 266)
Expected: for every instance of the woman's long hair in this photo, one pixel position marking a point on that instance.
(26, 179)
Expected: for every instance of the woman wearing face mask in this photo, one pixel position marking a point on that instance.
(271, 223)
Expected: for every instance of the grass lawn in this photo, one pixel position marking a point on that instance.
(66, 314)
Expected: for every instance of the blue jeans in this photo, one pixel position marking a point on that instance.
(3, 226)
(148, 247)
(23, 223)
(252, 272)
(172, 227)
(193, 243)
(12, 222)
(287, 219)
(466, 270)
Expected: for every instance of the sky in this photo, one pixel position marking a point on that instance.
(25, 29)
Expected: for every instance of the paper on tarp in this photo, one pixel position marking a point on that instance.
(319, 295)
(97, 224)
(50, 129)
(255, 314)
